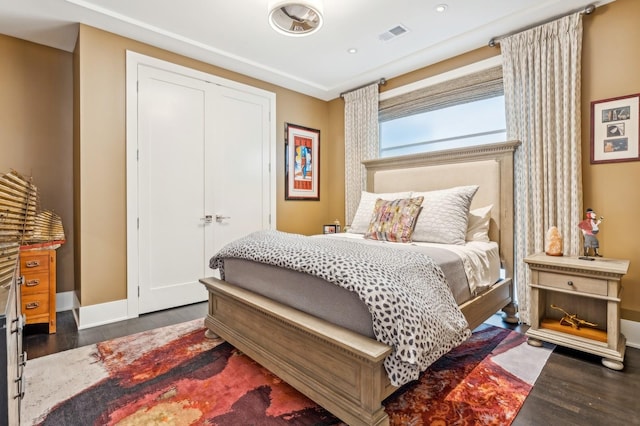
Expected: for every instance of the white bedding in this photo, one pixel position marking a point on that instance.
(481, 260)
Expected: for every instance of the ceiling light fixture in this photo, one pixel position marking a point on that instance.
(441, 8)
(295, 17)
(352, 50)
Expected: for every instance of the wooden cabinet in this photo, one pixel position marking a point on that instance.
(12, 358)
(589, 290)
(38, 268)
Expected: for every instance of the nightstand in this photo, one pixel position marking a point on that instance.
(588, 289)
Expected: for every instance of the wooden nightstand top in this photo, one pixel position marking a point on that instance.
(600, 264)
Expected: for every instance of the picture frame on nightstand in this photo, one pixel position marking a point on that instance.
(331, 229)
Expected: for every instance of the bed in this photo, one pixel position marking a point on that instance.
(339, 367)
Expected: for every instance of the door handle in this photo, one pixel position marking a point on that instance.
(207, 219)
(220, 218)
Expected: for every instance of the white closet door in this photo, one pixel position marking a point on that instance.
(238, 165)
(203, 180)
(172, 136)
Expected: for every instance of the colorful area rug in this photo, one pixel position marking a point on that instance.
(175, 376)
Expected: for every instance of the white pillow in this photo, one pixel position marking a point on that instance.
(478, 226)
(444, 215)
(361, 219)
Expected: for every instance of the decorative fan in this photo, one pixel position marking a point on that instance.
(295, 18)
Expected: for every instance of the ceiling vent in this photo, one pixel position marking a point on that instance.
(395, 32)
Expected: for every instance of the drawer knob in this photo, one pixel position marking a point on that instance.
(33, 283)
(570, 283)
(32, 305)
(32, 263)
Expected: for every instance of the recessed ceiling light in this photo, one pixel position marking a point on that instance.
(441, 8)
(352, 50)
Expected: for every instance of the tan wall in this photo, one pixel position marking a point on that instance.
(36, 130)
(610, 65)
(101, 158)
(336, 157)
(303, 216)
(76, 176)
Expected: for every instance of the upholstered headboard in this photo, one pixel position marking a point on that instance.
(488, 166)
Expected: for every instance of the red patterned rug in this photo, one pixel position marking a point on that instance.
(175, 376)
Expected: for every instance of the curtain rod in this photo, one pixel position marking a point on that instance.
(382, 81)
(587, 10)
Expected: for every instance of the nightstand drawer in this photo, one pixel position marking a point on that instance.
(37, 282)
(35, 304)
(573, 283)
(34, 263)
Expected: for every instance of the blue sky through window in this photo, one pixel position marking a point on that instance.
(468, 124)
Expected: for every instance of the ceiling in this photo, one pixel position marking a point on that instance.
(235, 34)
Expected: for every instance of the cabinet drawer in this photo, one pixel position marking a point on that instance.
(573, 283)
(35, 282)
(35, 304)
(34, 263)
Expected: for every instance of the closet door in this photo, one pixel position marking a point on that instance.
(172, 233)
(238, 166)
(203, 180)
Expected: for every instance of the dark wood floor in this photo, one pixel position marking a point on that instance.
(37, 342)
(573, 388)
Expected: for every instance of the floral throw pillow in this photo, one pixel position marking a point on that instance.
(360, 222)
(394, 220)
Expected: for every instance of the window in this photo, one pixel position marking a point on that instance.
(472, 123)
(452, 113)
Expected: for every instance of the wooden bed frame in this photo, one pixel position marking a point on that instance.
(339, 369)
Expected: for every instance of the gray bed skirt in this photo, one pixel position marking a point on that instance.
(325, 300)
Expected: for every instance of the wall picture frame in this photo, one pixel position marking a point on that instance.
(302, 163)
(615, 129)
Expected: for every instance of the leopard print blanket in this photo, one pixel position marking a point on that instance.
(411, 306)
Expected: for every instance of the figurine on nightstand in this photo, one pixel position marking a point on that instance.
(590, 227)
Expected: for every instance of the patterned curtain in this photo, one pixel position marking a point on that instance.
(541, 72)
(361, 142)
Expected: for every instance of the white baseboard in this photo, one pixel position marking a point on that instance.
(94, 315)
(631, 330)
(66, 301)
(101, 314)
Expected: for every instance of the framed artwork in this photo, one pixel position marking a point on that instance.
(302, 163)
(615, 134)
(331, 229)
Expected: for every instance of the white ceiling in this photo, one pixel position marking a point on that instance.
(235, 34)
